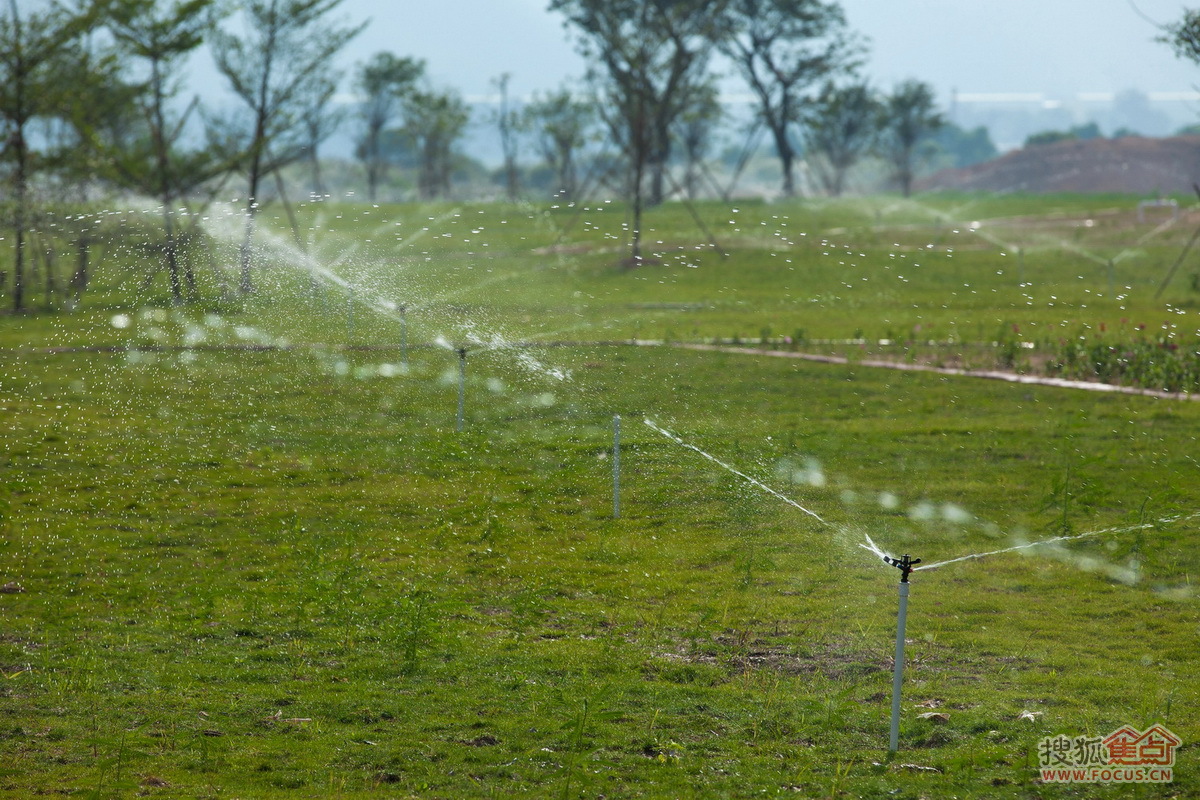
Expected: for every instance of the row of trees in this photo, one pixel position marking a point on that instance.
(651, 65)
(90, 96)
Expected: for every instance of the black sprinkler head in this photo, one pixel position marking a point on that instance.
(904, 564)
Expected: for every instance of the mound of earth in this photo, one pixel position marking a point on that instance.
(1131, 165)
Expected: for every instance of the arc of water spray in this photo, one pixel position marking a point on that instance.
(740, 474)
(1089, 534)
(870, 546)
(1064, 244)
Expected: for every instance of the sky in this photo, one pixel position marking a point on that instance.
(1059, 62)
(1057, 48)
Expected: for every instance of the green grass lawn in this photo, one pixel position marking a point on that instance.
(255, 573)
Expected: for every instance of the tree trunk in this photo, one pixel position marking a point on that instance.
(246, 282)
(22, 190)
(314, 163)
(787, 160)
(79, 280)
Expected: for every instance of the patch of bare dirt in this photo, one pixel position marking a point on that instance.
(1130, 165)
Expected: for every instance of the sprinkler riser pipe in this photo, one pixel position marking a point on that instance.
(403, 338)
(616, 467)
(462, 386)
(898, 670)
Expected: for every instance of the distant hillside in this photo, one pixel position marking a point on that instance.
(1132, 165)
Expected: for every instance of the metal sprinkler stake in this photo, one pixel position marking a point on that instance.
(462, 384)
(905, 565)
(617, 467)
(403, 336)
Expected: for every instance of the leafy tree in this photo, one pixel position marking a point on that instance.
(843, 127)
(782, 49)
(96, 97)
(160, 36)
(1089, 130)
(284, 47)
(1183, 36)
(651, 59)
(560, 124)
(433, 122)
(694, 132)
(962, 148)
(321, 118)
(33, 47)
(509, 123)
(384, 82)
(909, 120)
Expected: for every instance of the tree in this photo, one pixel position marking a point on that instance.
(101, 109)
(32, 86)
(560, 124)
(285, 46)
(694, 132)
(384, 82)
(161, 36)
(433, 122)
(842, 129)
(652, 58)
(962, 148)
(1088, 130)
(909, 121)
(1184, 36)
(782, 48)
(508, 123)
(321, 119)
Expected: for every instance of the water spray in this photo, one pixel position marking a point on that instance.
(739, 473)
(462, 384)
(905, 565)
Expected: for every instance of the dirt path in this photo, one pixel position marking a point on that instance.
(997, 375)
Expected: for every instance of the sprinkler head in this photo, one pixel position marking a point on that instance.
(904, 564)
(462, 353)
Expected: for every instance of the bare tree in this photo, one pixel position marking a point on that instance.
(384, 82)
(284, 45)
(783, 48)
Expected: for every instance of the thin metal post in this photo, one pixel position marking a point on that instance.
(616, 467)
(462, 384)
(349, 312)
(905, 565)
(898, 671)
(403, 337)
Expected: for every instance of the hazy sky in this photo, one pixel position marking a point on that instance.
(1056, 47)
